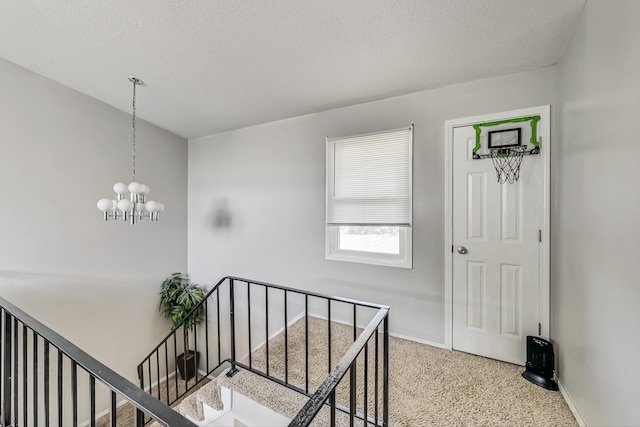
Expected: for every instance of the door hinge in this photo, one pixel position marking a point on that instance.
(451, 248)
(539, 329)
(540, 236)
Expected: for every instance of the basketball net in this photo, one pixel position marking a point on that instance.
(507, 163)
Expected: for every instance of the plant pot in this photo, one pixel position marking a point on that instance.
(187, 365)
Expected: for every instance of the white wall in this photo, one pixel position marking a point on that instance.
(94, 282)
(596, 216)
(268, 181)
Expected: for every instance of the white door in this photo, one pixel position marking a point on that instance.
(496, 280)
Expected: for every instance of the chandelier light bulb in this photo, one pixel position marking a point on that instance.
(106, 205)
(120, 188)
(151, 206)
(135, 188)
(145, 189)
(125, 205)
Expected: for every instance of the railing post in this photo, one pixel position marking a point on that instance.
(352, 392)
(6, 402)
(139, 418)
(141, 375)
(332, 407)
(232, 325)
(385, 373)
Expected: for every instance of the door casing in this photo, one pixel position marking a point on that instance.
(544, 135)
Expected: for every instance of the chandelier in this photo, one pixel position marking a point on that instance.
(131, 202)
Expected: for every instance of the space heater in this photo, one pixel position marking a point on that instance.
(540, 363)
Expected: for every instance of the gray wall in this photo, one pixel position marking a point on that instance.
(596, 216)
(94, 282)
(269, 182)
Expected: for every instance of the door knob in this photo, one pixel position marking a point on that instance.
(462, 250)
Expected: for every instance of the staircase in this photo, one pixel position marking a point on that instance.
(281, 340)
(244, 317)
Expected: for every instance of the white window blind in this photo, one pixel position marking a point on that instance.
(369, 179)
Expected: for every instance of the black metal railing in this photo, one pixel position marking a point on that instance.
(247, 323)
(47, 380)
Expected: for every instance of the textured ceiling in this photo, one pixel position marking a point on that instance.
(211, 66)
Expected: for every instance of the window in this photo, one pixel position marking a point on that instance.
(369, 198)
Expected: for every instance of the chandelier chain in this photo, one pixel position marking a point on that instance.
(133, 124)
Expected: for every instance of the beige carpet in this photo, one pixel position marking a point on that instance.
(428, 386)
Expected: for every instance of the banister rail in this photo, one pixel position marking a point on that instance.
(308, 293)
(26, 388)
(327, 389)
(270, 285)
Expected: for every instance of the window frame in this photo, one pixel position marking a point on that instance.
(403, 260)
(333, 251)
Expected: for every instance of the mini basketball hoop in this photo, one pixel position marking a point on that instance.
(507, 163)
(506, 147)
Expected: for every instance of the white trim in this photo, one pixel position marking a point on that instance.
(544, 215)
(213, 375)
(335, 138)
(419, 340)
(392, 334)
(402, 260)
(448, 234)
(273, 335)
(105, 412)
(570, 404)
(340, 322)
(160, 381)
(125, 401)
(545, 222)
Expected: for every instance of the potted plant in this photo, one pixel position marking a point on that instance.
(178, 296)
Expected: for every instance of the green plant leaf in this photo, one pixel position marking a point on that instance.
(178, 296)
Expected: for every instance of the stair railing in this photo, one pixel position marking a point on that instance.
(47, 380)
(158, 371)
(326, 393)
(243, 316)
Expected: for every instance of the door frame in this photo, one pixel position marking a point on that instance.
(544, 205)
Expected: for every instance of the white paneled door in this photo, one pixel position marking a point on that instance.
(495, 254)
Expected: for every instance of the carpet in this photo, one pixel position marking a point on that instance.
(428, 386)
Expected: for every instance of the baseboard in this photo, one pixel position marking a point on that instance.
(273, 335)
(393, 334)
(570, 403)
(341, 322)
(419, 340)
(161, 380)
(103, 413)
(216, 372)
(125, 401)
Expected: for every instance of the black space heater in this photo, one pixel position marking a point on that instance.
(540, 363)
